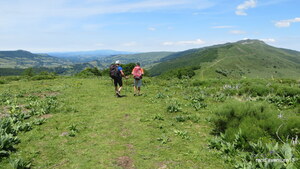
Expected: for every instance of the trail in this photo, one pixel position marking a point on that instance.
(202, 72)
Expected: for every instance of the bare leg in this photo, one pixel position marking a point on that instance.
(120, 88)
(139, 90)
(116, 89)
(134, 90)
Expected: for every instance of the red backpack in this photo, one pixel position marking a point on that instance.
(137, 73)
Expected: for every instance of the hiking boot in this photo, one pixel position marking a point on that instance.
(118, 94)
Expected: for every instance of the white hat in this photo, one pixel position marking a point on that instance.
(118, 62)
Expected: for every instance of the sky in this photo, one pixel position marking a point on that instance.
(145, 25)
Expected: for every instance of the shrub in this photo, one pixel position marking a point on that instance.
(2, 81)
(256, 120)
(89, 72)
(256, 90)
(44, 76)
(288, 91)
(180, 73)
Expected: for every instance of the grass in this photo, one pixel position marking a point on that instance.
(114, 132)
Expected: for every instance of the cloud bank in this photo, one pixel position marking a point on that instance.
(240, 9)
(286, 23)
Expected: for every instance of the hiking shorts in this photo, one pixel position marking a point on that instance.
(118, 81)
(138, 83)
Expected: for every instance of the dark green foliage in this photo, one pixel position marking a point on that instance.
(11, 71)
(89, 72)
(127, 68)
(222, 72)
(180, 73)
(28, 72)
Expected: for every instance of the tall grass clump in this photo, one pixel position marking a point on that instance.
(255, 120)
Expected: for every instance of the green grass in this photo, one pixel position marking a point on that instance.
(169, 126)
(114, 132)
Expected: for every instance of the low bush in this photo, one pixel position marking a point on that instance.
(255, 120)
(255, 90)
(44, 76)
(288, 91)
(89, 72)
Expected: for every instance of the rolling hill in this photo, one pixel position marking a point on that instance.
(86, 56)
(246, 58)
(25, 59)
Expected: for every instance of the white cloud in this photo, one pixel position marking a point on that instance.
(192, 42)
(237, 32)
(270, 40)
(152, 29)
(129, 44)
(240, 9)
(221, 27)
(286, 23)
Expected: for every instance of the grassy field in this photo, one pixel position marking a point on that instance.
(91, 128)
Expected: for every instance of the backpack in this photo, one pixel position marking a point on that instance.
(113, 71)
(137, 73)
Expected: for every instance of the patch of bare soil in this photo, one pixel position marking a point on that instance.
(125, 162)
(47, 116)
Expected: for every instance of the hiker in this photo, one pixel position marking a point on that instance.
(116, 73)
(138, 73)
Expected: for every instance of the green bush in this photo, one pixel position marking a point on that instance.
(44, 76)
(89, 72)
(2, 81)
(256, 120)
(180, 73)
(288, 91)
(255, 90)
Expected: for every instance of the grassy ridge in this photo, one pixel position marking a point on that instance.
(249, 58)
(112, 132)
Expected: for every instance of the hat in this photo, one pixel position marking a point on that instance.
(118, 62)
(138, 63)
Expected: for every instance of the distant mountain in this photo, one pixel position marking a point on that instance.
(87, 56)
(248, 58)
(146, 59)
(25, 59)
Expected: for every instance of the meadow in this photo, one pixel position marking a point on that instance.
(73, 122)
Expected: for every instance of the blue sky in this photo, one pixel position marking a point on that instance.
(145, 25)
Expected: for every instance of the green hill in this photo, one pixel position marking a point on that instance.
(25, 59)
(248, 58)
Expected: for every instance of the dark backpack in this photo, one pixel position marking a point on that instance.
(113, 71)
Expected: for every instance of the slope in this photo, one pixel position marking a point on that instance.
(128, 132)
(25, 59)
(249, 58)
